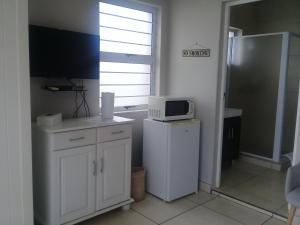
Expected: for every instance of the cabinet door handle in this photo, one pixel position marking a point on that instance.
(101, 165)
(229, 133)
(77, 139)
(117, 132)
(232, 133)
(94, 168)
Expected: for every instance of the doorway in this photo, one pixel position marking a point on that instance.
(260, 104)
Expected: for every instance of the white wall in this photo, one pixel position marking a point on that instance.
(194, 21)
(75, 15)
(43, 101)
(82, 16)
(16, 206)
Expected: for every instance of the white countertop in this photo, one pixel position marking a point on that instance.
(231, 112)
(84, 123)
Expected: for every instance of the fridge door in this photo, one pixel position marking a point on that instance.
(183, 158)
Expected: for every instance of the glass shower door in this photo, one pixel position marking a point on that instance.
(254, 82)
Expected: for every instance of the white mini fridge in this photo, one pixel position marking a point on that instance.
(171, 157)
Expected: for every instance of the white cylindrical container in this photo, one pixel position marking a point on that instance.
(107, 105)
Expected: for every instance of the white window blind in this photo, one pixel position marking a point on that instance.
(126, 53)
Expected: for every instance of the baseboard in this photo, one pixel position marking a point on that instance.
(264, 162)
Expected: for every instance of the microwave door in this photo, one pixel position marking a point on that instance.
(177, 108)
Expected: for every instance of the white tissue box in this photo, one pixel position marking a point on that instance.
(49, 120)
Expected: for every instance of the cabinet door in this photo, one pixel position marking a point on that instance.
(236, 132)
(227, 144)
(113, 181)
(76, 179)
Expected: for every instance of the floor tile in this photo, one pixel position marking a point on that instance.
(264, 192)
(259, 186)
(238, 175)
(252, 198)
(274, 221)
(274, 174)
(201, 197)
(237, 212)
(201, 216)
(160, 211)
(283, 211)
(118, 217)
(248, 167)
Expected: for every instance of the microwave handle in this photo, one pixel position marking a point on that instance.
(192, 107)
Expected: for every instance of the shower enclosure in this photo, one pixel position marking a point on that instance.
(263, 78)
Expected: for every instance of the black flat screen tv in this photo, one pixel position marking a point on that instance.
(58, 53)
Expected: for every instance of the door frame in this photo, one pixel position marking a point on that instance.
(226, 6)
(16, 204)
(296, 155)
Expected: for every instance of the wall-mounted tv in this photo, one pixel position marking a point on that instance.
(58, 53)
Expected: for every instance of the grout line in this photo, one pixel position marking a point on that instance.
(218, 195)
(280, 208)
(144, 216)
(252, 177)
(208, 200)
(276, 216)
(186, 211)
(190, 209)
(248, 205)
(223, 214)
(266, 212)
(267, 221)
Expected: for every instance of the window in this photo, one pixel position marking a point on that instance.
(127, 53)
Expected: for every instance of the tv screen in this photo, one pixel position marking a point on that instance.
(63, 54)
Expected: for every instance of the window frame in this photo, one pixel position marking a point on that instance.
(133, 58)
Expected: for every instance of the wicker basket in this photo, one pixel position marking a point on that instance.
(138, 183)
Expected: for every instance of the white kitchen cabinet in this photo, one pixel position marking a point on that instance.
(113, 183)
(81, 169)
(76, 170)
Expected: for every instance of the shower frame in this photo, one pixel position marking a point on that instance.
(284, 62)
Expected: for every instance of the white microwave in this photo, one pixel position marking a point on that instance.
(170, 108)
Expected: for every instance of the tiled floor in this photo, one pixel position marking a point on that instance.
(256, 185)
(198, 209)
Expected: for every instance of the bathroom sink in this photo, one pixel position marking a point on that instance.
(232, 112)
